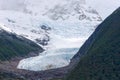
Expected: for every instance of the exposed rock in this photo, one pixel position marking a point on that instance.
(46, 28)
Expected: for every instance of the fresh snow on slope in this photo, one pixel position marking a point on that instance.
(2, 26)
(60, 28)
(104, 7)
(23, 24)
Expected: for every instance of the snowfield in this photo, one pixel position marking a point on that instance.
(60, 28)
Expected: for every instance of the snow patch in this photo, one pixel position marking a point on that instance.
(2, 26)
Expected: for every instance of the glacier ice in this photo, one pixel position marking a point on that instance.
(64, 44)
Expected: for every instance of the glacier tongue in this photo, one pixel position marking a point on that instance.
(50, 60)
(57, 56)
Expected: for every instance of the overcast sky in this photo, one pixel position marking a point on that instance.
(104, 7)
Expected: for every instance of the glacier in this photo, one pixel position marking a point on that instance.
(64, 44)
(70, 23)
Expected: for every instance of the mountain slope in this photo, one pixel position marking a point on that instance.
(12, 46)
(101, 62)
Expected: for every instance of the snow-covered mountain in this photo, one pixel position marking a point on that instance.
(59, 26)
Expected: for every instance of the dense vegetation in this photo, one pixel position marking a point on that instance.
(6, 76)
(12, 46)
(102, 61)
